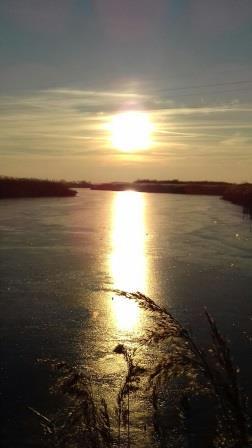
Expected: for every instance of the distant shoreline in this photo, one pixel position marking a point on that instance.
(177, 187)
(240, 194)
(14, 188)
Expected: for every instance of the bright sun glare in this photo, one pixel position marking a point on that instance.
(131, 131)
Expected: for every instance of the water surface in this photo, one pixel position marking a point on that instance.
(57, 256)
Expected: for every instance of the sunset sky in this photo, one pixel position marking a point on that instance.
(68, 67)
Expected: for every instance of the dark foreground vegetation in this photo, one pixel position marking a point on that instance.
(32, 188)
(189, 395)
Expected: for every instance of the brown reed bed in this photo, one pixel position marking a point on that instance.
(194, 393)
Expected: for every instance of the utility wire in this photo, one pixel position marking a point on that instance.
(245, 89)
(199, 86)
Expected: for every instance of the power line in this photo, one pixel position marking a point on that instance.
(199, 86)
(245, 89)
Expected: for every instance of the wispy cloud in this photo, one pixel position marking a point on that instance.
(72, 123)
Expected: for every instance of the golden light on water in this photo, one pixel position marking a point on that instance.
(128, 260)
(126, 313)
(131, 131)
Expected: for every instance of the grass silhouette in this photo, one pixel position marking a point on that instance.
(184, 384)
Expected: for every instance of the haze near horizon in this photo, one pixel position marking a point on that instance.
(109, 90)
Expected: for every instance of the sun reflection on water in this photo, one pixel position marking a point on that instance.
(128, 260)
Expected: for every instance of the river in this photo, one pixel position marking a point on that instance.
(59, 254)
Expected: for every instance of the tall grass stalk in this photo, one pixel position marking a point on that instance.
(208, 371)
(180, 373)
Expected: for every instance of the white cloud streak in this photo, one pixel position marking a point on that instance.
(72, 123)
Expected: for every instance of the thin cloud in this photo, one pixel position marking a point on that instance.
(72, 123)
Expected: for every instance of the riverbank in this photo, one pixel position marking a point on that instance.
(33, 188)
(240, 194)
(177, 187)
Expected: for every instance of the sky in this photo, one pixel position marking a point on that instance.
(68, 66)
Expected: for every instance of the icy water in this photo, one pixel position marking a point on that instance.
(57, 256)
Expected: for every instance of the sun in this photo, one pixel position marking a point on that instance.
(131, 131)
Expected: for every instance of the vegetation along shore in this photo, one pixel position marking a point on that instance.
(33, 188)
(240, 194)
